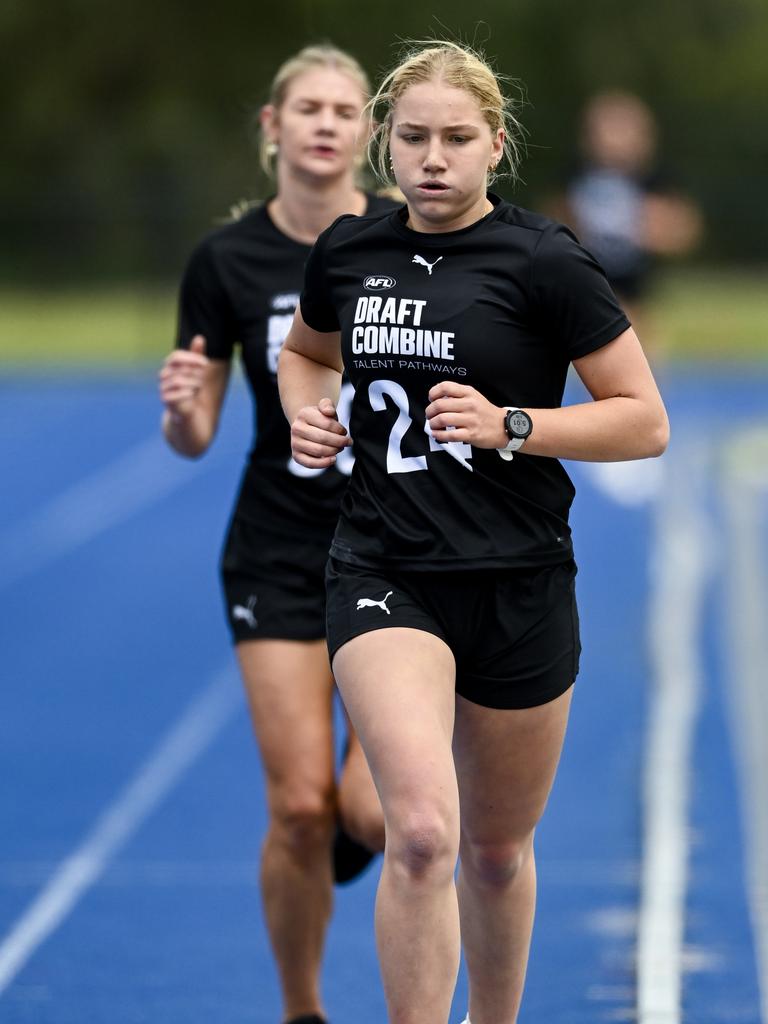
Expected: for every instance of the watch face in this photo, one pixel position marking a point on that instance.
(518, 424)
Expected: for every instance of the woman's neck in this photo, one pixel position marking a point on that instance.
(302, 209)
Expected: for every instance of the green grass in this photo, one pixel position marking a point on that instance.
(103, 328)
(712, 316)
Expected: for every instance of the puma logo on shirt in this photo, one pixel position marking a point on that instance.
(366, 602)
(423, 263)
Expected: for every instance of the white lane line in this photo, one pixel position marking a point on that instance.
(138, 478)
(745, 495)
(195, 731)
(677, 589)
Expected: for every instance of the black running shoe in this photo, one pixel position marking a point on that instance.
(350, 858)
(308, 1018)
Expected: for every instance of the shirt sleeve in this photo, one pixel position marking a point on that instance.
(571, 295)
(205, 307)
(317, 310)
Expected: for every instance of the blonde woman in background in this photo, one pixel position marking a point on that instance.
(240, 289)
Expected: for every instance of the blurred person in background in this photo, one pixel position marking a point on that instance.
(621, 206)
(629, 216)
(240, 287)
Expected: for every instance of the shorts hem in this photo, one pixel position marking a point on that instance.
(276, 634)
(508, 701)
(334, 649)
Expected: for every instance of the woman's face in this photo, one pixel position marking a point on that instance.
(317, 126)
(442, 148)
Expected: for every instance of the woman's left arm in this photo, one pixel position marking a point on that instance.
(626, 420)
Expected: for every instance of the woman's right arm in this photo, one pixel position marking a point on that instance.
(309, 377)
(192, 388)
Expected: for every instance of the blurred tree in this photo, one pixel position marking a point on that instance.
(125, 127)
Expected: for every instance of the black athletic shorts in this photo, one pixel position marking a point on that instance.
(274, 585)
(513, 632)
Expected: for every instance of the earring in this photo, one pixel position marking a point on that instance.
(271, 149)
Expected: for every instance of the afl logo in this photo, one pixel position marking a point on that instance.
(379, 284)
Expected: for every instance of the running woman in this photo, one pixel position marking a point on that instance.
(241, 286)
(452, 620)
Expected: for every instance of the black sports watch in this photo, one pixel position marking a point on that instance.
(518, 425)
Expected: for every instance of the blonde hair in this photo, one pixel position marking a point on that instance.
(460, 67)
(320, 55)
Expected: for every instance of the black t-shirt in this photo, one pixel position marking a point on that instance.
(241, 286)
(504, 306)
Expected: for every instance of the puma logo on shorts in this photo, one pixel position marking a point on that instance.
(367, 602)
(245, 614)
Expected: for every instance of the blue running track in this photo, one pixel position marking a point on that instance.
(131, 804)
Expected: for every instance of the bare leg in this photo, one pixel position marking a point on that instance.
(359, 805)
(506, 763)
(398, 687)
(290, 692)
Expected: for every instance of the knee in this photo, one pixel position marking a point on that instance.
(303, 820)
(495, 865)
(420, 845)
